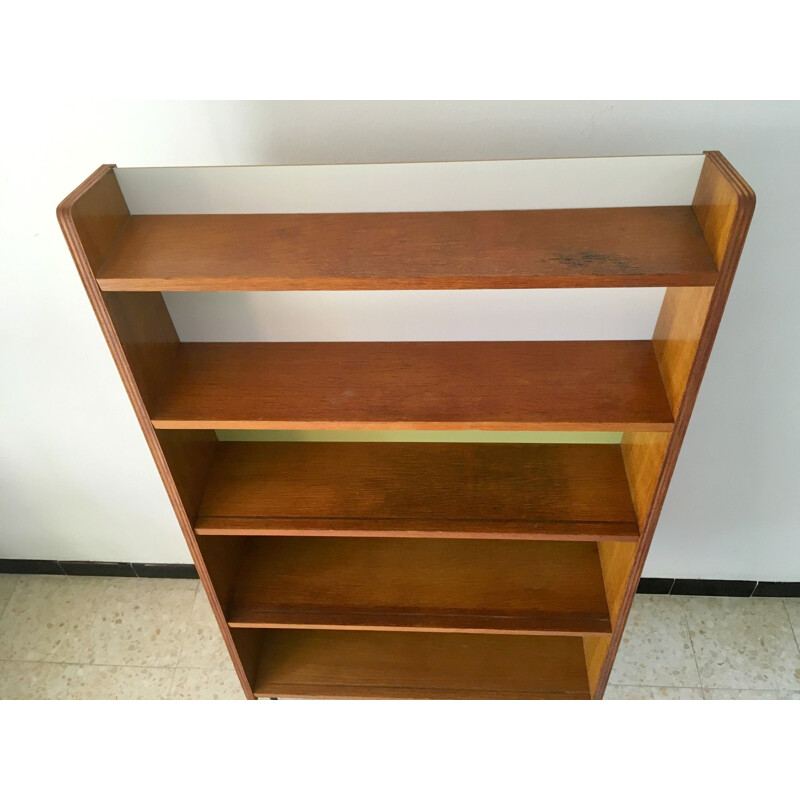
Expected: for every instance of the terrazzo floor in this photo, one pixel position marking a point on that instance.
(133, 638)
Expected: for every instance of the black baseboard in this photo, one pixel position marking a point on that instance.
(165, 571)
(31, 566)
(655, 586)
(125, 569)
(689, 587)
(777, 589)
(106, 569)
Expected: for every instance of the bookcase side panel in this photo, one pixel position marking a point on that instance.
(142, 340)
(682, 340)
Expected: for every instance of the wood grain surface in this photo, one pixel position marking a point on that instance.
(445, 250)
(419, 584)
(348, 664)
(548, 491)
(416, 385)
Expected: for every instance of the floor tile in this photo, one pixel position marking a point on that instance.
(141, 623)
(743, 643)
(656, 649)
(27, 680)
(203, 645)
(749, 694)
(91, 682)
(652, 693)
(206, 684)
(122, 638)
(7, 584)
(47, 617)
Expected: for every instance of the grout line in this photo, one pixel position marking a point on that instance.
(652, 686)
(218, 669)
(120, 666)
(172, 684)
(8, 600)
(691, 643)
(186, 628)
(791, 627)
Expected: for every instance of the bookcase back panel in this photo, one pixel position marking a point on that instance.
(402, 316)
(433, 186)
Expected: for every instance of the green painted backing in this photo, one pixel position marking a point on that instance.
(523, 437)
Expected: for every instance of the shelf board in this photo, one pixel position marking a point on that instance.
(347, 664)
(600, 247)
(467, 585)
(557, 386)
(407, 489)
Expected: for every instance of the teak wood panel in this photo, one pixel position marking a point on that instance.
(683, 337)
(616, 559)
(347, 664)
(677, 336)
(143, 343)
(443, 250)
(597, 385)
(490, 586)
(595, 650)
(548, 491)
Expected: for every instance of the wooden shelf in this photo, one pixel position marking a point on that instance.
(347, 664)
(526, 491)
(441, 250)
(425, 385)
(489, 586)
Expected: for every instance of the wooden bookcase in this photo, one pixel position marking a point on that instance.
(414, 569)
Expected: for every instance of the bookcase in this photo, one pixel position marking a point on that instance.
(417, 568)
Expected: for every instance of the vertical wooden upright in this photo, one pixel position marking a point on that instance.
(144, 345)
(682, 341)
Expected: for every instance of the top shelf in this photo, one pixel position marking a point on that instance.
(563, 248)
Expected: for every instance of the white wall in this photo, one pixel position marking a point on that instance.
(76, 479)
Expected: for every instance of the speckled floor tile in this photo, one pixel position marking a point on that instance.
(203, 646)
(743, 643)
(91, 682)
(123, 638)
(29, 680)
(206, 684)
(47, 617)
(749, 694)
(141, 623)
(652, 693)
(7, 584)
(656, 649)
